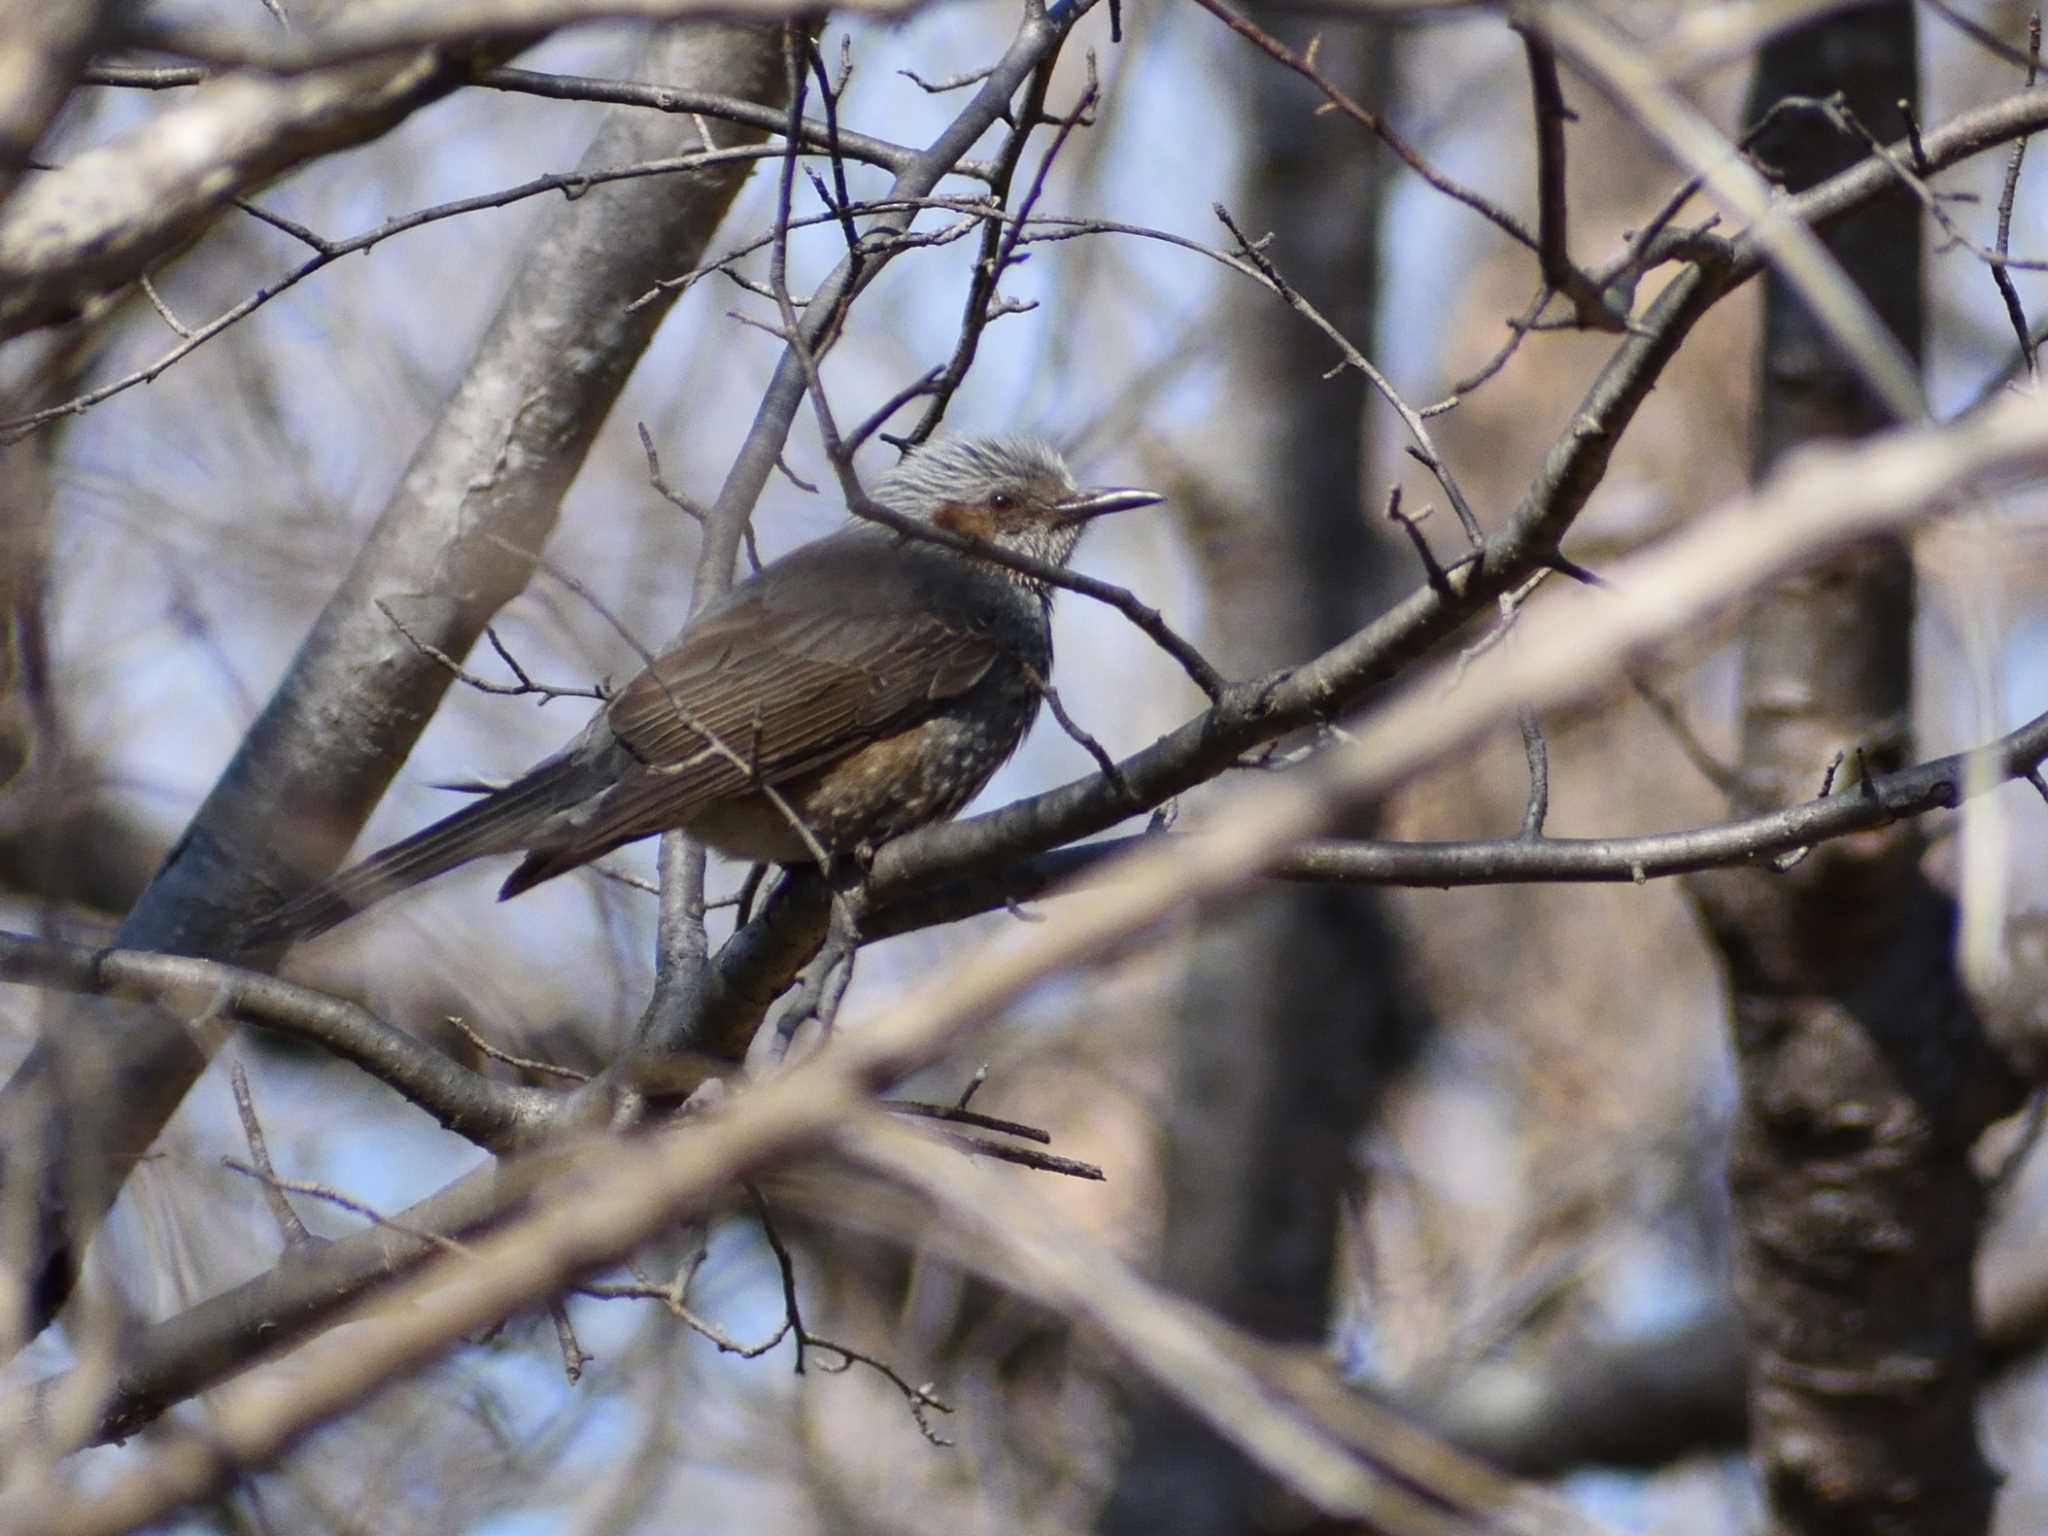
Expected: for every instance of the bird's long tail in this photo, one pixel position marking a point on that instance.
(501, 822)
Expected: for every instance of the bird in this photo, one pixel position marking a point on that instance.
(863, 685)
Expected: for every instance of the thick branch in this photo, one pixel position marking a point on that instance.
(99, 222)
(490, 1113)
(1941, 784)
(364, 31)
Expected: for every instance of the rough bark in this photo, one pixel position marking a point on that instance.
(1864, 1075)
(1658, 1398)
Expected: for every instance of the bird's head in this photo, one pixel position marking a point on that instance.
(1012, 491)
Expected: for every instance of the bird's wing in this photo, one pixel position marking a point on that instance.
(752, 694)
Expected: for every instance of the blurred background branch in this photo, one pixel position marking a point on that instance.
(1458, 1152)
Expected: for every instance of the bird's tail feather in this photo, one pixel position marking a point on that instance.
(501, 822)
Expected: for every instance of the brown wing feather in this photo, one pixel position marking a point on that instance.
(799, 692)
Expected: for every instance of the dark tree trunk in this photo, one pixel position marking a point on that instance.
(1864, 1076)
(1288, 1011)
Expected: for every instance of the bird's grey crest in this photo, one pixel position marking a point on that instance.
(971, 470)
(1013, 491)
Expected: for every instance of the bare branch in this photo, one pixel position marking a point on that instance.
(489, 1113)
(2015, 311)
(290, 1225)
(115, 211)
(364, 31)
(1423, 449)
(327, 252)
(1620, 70)
(1304, 66)
(523, 1063)
(717, 105)
(1591, 306)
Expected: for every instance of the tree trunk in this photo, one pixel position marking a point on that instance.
(1864, 1076)
(1289, 1008)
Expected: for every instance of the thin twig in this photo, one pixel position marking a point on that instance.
(350, 1203)
(1537, 750)
(1590, 305)
(570, 183)
(689, 506)
(290, 1225)
(731, 109)
(1423, 450)
(1306, 68)
(2014, 310)
(1087, 743)
(840, 199)
(1026, 1157)
(975, 1083)
(519, 688)
(949, 83)
(157, 303)
(1723, 777)
(920, 1399)
(573, 1356)
(1519, 328)
(1981, 35)
(960, 1114)
(671, 1296)
(786, 1267)
(1511, 605)
(999, 237)
(1432, 570)
(523, 1063)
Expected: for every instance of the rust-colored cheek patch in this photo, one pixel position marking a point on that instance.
(962, 518)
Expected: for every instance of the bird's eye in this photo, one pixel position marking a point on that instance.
(1002, 501)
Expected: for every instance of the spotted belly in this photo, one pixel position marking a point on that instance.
(886, 788)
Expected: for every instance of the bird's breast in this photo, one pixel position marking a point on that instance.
(889, 786)
(926, 773)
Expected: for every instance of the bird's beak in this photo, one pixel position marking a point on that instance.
(1083, 505)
